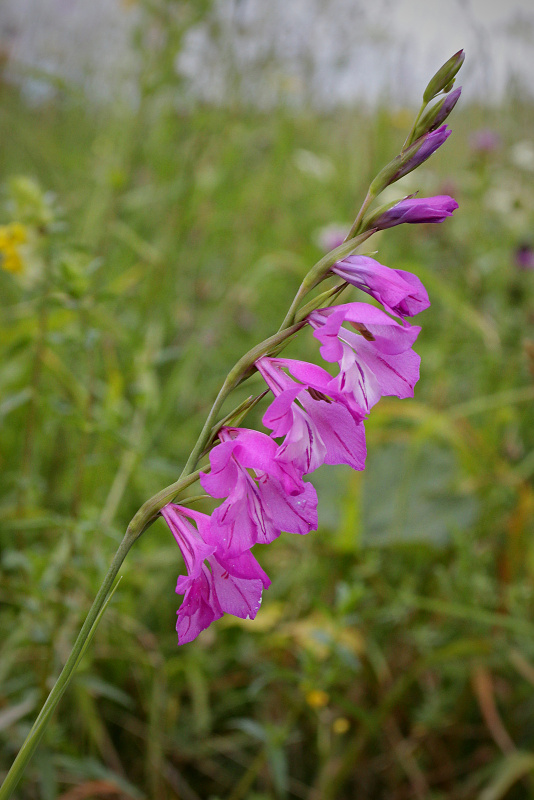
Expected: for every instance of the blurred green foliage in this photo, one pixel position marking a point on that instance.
(393, 656)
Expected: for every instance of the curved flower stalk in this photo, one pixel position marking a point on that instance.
(314, 418)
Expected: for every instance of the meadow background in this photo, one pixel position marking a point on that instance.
(393, 656)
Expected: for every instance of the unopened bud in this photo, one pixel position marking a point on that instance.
(437, 114)
(444, 77)
(409, 159)
(412, 210)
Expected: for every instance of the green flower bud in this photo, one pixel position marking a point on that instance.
(444, 77)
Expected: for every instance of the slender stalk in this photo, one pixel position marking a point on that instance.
(140, 522)
(409, 138)
(322, 269)
(148, 512)
(239, 372)
(34, 737)
(369, 197)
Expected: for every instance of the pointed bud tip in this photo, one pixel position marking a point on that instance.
(443, 80)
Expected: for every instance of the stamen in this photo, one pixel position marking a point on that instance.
(318, 395)
(365, 332)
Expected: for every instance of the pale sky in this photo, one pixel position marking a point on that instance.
(326, 51)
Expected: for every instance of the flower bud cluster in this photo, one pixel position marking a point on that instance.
(428, 132)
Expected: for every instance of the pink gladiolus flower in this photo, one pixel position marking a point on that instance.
(257, 509)
(317, 429)
(400, 292)
(376, 361)
(233, 585)
(415, 210)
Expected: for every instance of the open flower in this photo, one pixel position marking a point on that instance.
(400, 292)
(376, 360)
(316, 425)
(230, 585)
(264, 495)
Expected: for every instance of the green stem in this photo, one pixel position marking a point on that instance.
(409, 138)
(148, 512)
(369, 197)
(321, 270)
(239, 372)
(33, 738)
(140, 522)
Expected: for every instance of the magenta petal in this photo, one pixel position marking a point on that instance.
(414, 210)
(257, 451)
(193, 547)
(296, 514)
(417, 300)
(244, 566)
(199, 608)
(279, 414)
(303, 445)
(367, 375)
(241, 521)
(387, 335)
(317, 429)
(238, 584)
(223, 475)
(396, 375)
(308, 374)
(376, 361)
(342, 435)
(400, 292)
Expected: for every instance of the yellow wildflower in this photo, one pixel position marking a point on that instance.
(340, 725)
(11, 236)
(317, 698)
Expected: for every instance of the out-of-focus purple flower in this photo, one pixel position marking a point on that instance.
(485, 140)
(376, 361)
(524, 257)
(230, 585)
(331, 236)
(317, 426)
(413, 210)
(400, 292)
(257, 509)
